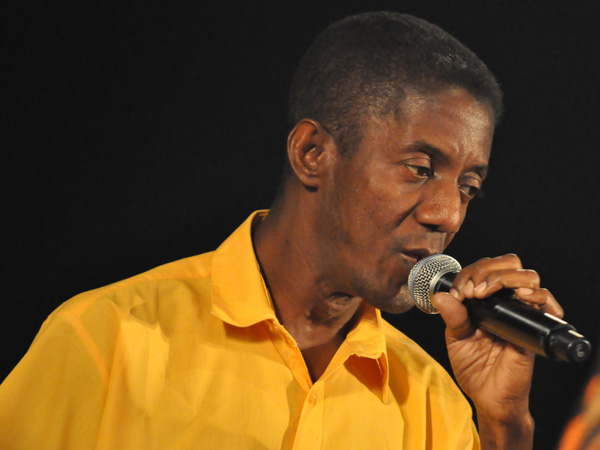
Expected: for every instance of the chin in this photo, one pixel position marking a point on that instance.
(395, 304)
(397, 308)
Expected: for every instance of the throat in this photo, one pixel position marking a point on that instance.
(317, 358)
(318, 344)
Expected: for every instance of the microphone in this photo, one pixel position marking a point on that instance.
(500, 314)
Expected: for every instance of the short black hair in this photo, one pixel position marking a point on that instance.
(364, 65)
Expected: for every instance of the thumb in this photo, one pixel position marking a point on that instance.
(454, 313)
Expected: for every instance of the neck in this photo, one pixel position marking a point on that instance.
(308, 306)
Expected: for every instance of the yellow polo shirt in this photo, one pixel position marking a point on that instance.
(190, 355)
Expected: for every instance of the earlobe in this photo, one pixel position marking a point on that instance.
(307, 148)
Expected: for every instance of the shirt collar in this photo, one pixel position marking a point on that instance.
(367, 340)
(241, 298)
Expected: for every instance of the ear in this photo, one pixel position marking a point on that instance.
(309, 149)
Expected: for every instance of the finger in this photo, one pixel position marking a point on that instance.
(526, 284)
(488, 275)
(477, 272)
(541, 297)
(507, 278)
(454, 313)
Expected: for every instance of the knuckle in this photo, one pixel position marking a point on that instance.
(480, 273)
(512, 259)
(532, 276)
(543, 292)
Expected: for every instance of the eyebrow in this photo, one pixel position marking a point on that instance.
(438, 154)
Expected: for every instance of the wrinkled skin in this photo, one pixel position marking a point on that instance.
(349, 228)
(496, 375)
(403, 194)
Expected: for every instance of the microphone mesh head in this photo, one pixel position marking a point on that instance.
(424, 276)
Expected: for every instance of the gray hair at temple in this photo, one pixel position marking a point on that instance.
(365, 65)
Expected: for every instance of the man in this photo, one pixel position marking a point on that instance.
(276, 340)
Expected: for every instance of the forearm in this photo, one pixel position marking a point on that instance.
(514, 435)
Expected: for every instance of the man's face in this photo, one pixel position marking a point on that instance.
(403, 194)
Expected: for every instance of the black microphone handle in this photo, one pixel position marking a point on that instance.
(514, 321)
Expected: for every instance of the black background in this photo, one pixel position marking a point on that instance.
(136, 134)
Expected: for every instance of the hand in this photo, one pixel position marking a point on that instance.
(495, 374)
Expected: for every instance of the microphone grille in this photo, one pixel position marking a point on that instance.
(424, 276)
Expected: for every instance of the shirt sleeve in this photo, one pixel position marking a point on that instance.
(54, 397)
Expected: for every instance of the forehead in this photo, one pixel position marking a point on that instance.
(451, 120)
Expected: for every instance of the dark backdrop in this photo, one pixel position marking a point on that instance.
(137, 134)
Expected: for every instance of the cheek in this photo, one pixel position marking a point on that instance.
(385, 206)
(372, 206)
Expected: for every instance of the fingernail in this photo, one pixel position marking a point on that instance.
(525, 291)
(468, 290)
(454, 293)
(480, 288)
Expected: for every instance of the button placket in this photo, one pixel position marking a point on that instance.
(309, 434)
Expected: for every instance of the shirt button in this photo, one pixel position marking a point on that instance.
(312, 398)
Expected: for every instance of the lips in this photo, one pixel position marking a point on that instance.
(418, 254)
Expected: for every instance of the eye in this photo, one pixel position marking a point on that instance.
(472, 189)
(420, 171)
(420, 168)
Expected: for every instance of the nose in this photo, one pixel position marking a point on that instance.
(441, 208)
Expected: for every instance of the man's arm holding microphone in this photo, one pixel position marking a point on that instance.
(495, 374)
